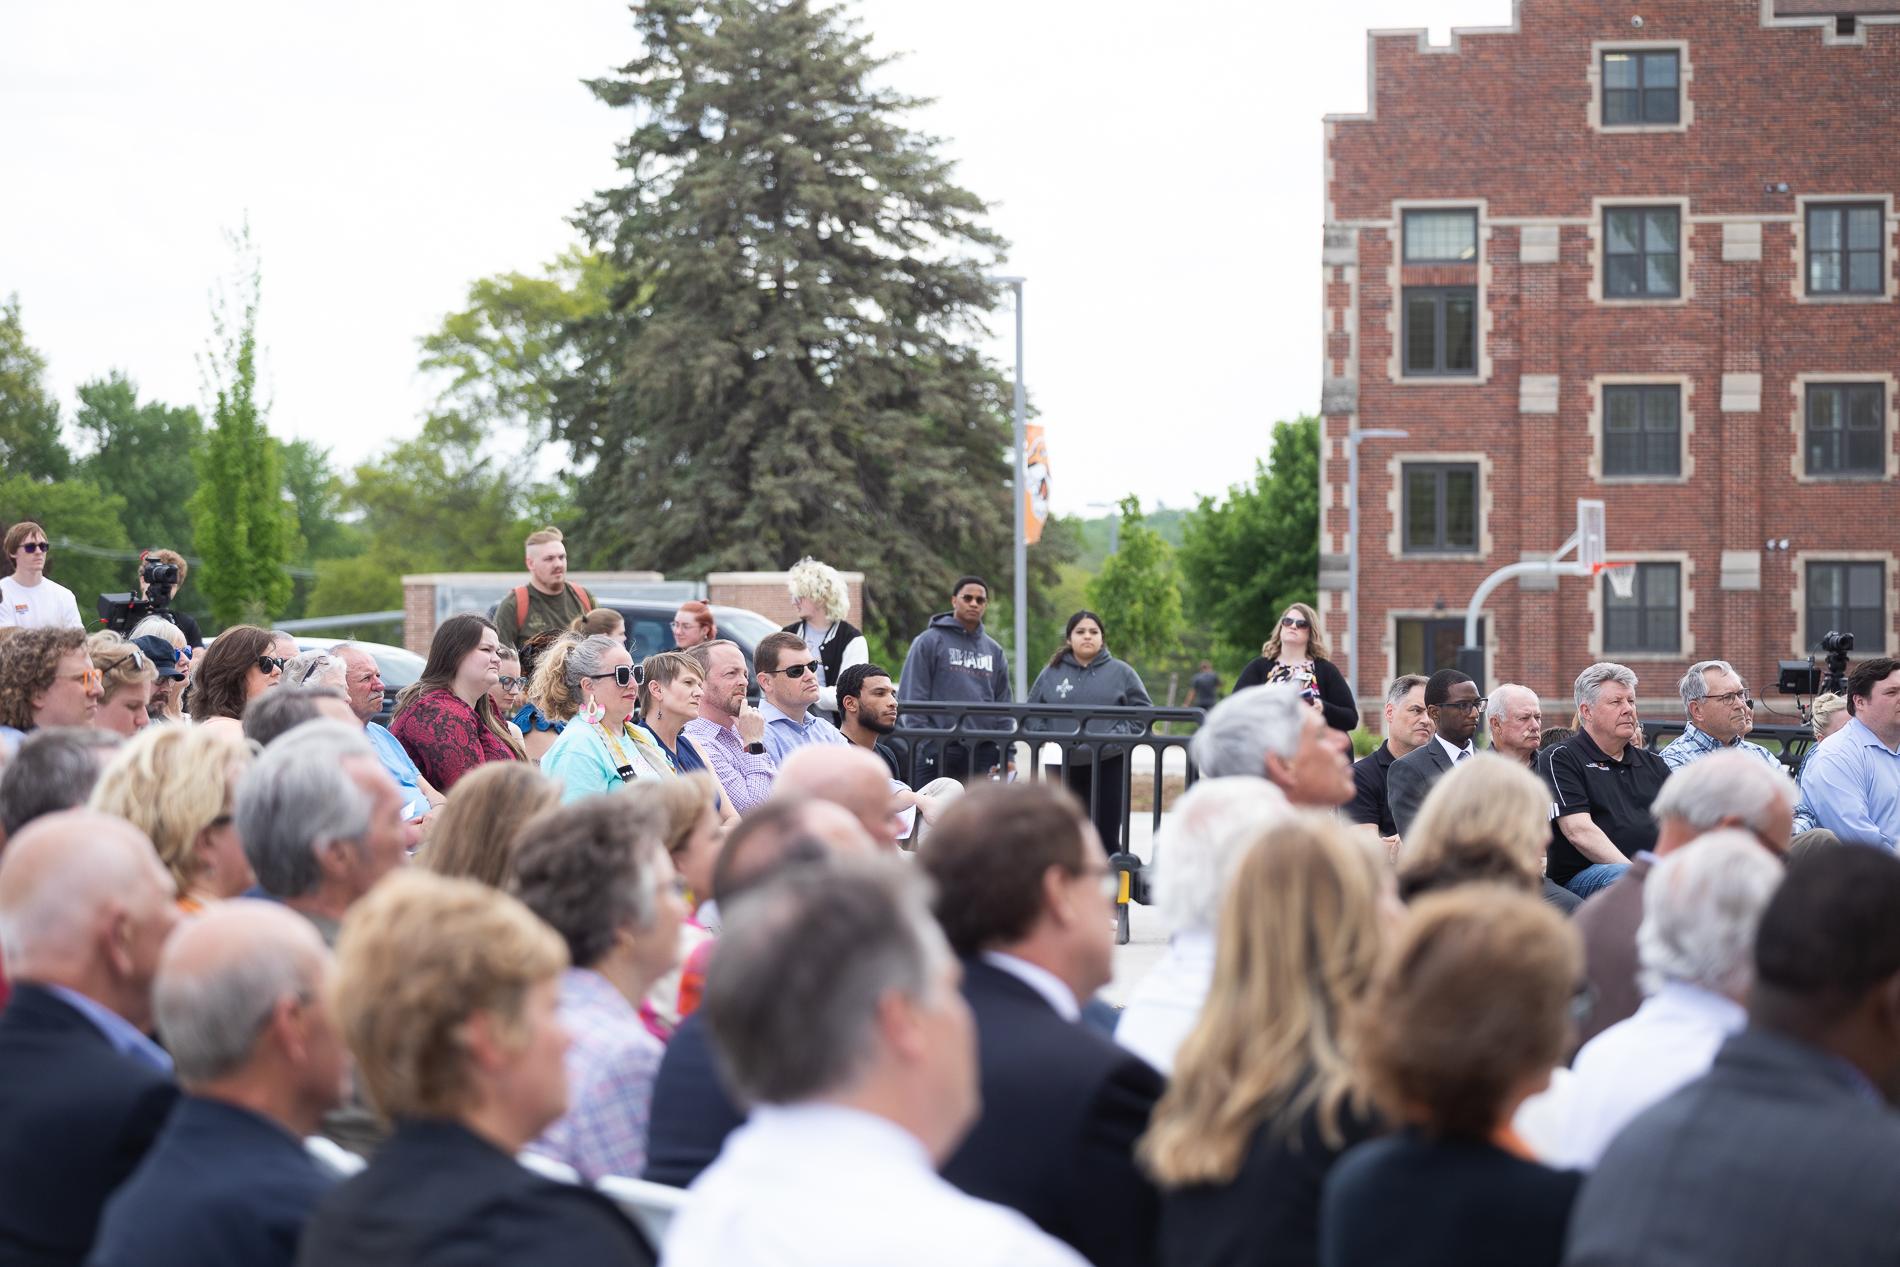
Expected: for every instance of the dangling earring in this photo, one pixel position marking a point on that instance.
(592, 712)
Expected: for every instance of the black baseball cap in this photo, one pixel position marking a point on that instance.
(162, 656)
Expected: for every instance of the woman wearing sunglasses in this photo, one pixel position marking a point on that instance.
(1296, 652)
(600, 749)
(27, 599)
(127, 678)
(235, 669)
(444, 719)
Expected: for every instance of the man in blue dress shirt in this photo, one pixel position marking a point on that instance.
(1851, 782)
(788, 684)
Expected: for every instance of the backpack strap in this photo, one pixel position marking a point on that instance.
(521, 607)
(586, 601)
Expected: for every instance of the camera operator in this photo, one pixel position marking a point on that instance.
(161, 576)
(1851, 782)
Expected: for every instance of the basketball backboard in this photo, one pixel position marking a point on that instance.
(1591, 526)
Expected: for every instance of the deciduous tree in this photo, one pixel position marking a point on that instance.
(1138, 592)
(30, 442)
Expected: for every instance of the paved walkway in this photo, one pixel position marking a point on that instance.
(1147, 932)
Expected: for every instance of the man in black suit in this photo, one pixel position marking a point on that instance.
(1785, 1151)
(85, 906)
(1024, 897)
(1407, 726)
(241, 1001)
(1454, 705)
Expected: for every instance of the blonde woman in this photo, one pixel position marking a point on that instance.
(1827, 714)
(127, 676)
(1296, 652)
(473, 834)
(691, 831)
(177, 784)
(1264, 1096)
(823, 600)
(1486, 821)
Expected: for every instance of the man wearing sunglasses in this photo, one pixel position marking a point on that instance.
(46, 679)
(788, 686)
(1455, 707)
(27, 599)
(954, 660)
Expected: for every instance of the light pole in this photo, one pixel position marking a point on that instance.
(1020, 596)
(1354, 438)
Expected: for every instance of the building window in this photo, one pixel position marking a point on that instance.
(1642, 256)
(1642, 431)
(1441, 508)
(1441, 330)
(1425, 646)
(1846, 429)
(1441, 237)
(1847, 249)
(1649, 621)
(1641, 88)
(1848, 598)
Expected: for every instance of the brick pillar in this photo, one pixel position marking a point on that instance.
(418, 615)
(1738, 635)
(1532, 630)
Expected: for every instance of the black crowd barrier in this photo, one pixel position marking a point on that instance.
(1789, 742)
(1092, 750)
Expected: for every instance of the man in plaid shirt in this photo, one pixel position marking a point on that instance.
(1716, 702)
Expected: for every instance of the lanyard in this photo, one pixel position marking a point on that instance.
(624, 768)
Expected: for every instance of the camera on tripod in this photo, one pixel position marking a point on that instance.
(1804, 677)
(121, 613)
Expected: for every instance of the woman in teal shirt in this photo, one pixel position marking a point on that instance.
(601, 749)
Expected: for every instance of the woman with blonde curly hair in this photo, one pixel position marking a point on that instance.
(823, 600)
(1265, 1096)
(127, 676)
(178, 784)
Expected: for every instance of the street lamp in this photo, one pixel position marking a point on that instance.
(1020, 594)
(1354, 438)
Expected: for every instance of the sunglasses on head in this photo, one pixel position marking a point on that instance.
(1295, 622)
(269, 664)
(625, 675)
(37, 547)
(133, 654)
(799, 670)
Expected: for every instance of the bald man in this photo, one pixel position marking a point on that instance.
(241, 1003)
(847, 776)
(85, 907)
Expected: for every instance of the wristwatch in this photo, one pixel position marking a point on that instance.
(755, 748)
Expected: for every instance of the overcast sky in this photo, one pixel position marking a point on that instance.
(1157, 169)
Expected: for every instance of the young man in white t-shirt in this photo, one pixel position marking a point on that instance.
(27, 598)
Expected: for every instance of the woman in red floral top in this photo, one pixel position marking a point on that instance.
(446, 722)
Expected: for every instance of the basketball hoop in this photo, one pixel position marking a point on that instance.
(1622, 577)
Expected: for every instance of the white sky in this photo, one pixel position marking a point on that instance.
(1157, 168)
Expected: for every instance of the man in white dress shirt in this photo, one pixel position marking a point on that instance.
(858, 1056)
(27, 599)
(1701, 906)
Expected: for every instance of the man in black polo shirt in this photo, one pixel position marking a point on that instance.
(1601, 785)
(1407, 725)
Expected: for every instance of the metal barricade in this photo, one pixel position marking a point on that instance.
(1096, 751)
(1790, 742)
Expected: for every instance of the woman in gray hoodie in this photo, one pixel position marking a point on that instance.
(1083, 673)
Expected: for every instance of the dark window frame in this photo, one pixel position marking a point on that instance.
(1405, 237)
(1643, 436)
(1838, 438)
(1820, 620)
(1441, 297)
(1642, 253)
(1846, 289)
(1431, 628)
(1643, 609)
(1441, 542)
(1642, 93)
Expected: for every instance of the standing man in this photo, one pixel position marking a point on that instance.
(954, 660)
(1454, 705)
(1204, 687)
(1407, 725)
(1851, 782)
(788, 682)
(548, 600)
(187, 624)
(867, 700)
(27, 599)
(1716, 702)
(1602, 785)
(1514, 718)
(729, 732)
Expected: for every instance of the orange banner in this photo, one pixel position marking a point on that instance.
(1035, 483)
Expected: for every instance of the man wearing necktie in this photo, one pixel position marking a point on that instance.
(1454, 705)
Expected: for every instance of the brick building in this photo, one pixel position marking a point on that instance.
(1638, 252)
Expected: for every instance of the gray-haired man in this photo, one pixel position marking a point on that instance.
(1715, 702)
(1602, 785)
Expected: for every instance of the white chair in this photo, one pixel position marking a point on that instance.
(651, 1205)
(548, 1168)
(332, 1156)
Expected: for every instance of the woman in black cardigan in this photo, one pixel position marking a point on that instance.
(1297, 653)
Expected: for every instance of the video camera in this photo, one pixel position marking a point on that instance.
(121, 613)
(1803, 677)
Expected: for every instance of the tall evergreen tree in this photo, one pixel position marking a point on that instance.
(787, 367)
(240, 520)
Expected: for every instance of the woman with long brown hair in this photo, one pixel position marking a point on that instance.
(473, 834)
(1265, 1096)
(1296, 652)
(445, 720)
(235, 669)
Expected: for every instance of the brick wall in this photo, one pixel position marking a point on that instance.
(1775, 111)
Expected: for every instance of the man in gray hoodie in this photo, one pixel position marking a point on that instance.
(953, 660)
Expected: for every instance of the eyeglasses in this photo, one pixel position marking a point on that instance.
(1465, 705)
(510, 683)
(133, 654)
(36, 547)
(91, 679)
(269, 664)
(625, 675)
(1729, 699)
(796, 671)
(1295, 622)
(686, 624)
(974, 600)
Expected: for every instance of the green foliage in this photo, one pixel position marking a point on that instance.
(1246, 558)
(787, 367)
(1138, 593)
(242, 525)
(30, 442)
(144, 453)
(79, 518)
